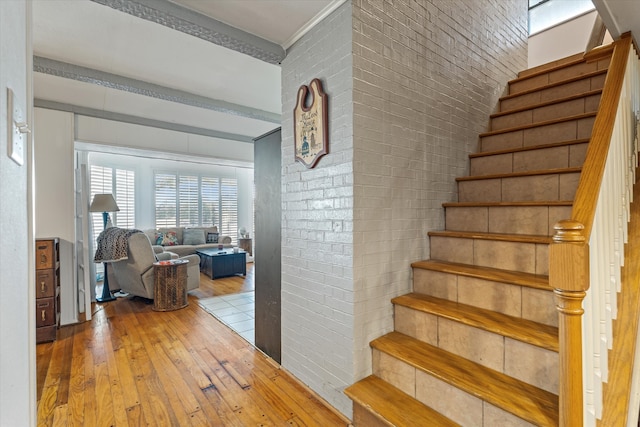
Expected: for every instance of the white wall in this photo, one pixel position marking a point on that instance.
(406, 105)
(317, 219)
(560, 41)
(55, 197)
(118, 134)
(17, 303)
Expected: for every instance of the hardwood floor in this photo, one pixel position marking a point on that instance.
(132, 366)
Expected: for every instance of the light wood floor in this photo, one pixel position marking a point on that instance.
(132, 366)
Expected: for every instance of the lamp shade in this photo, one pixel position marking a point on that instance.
(103, 203)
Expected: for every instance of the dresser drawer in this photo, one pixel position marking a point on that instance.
(45, 254)
(45, 312)
(45, 283)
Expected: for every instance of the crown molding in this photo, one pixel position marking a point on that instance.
(190, 22)
(313, 22)
(139, 87)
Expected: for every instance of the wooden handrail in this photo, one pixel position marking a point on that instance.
(569, 269)
(584, 205)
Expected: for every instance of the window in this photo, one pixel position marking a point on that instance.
(545, 14)
(120, 183)
(193, 200)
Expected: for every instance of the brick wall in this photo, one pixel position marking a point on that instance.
(410, 84)
(317, 222)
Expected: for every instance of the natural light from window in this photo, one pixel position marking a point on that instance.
(544, 14)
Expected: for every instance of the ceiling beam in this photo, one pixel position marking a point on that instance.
(136, 120)
(198, 25)
(139, 87)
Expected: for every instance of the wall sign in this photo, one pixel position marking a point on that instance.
(310, 124)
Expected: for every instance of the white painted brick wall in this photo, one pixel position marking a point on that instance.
(317, 222)
(411, 84)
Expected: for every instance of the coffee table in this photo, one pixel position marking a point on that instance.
(222, 262)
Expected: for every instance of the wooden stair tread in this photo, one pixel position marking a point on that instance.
(520, 174)
(596, 53)
(393, 405)
(512, 204)
(538, 124)
(558, 64)
(528, 148)
(530, 280)
(524, 330)
(546, 103)
(522, 238)
(554, 84)
(528, 402)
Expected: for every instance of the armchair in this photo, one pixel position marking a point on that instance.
(135, 274)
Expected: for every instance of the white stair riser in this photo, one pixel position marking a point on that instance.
(562, 109)
(539, 135)
(553, 93)
(526, 362)
(505, 255)
(533, 304)
(565, 156)
(441, 396)
(557, 187)
(535, 220)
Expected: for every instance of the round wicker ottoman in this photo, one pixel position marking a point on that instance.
(170, 285)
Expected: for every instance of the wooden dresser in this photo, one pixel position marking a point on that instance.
(47, 289)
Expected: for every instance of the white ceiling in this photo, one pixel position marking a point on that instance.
(88, 34)
(241, 93)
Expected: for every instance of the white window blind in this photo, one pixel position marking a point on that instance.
(229, 207)
(166, 202)
(125, 198)
(188, 201)
(210, 197)
(120, 183)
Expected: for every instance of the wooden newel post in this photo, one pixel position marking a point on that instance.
(569, 278)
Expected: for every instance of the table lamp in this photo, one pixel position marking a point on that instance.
(104, 203)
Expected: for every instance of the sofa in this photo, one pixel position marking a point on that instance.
(184, 241)
(134, 275)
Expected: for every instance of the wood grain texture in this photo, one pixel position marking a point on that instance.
(521, 238)
(518, 174)
(536, 281)
(558, 83)
(545, 103)
(391, 406)
(537, 124)
(521, 399)
(593, 167)
(523, 330)
(527, 148)
(569, 257)
(133, 366)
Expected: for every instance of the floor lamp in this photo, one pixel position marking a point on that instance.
(104, 203)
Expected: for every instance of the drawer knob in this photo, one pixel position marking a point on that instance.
(43, 287)
(43, 315)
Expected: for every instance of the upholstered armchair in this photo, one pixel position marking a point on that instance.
(135, 274)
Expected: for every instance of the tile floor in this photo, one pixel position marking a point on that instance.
(234, 310)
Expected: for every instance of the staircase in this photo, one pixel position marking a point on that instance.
(476, 342)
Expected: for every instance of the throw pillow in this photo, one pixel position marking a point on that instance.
(169, 238)
(193, 236)
(212, 237)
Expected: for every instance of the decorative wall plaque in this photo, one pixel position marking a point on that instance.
(310, 124)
